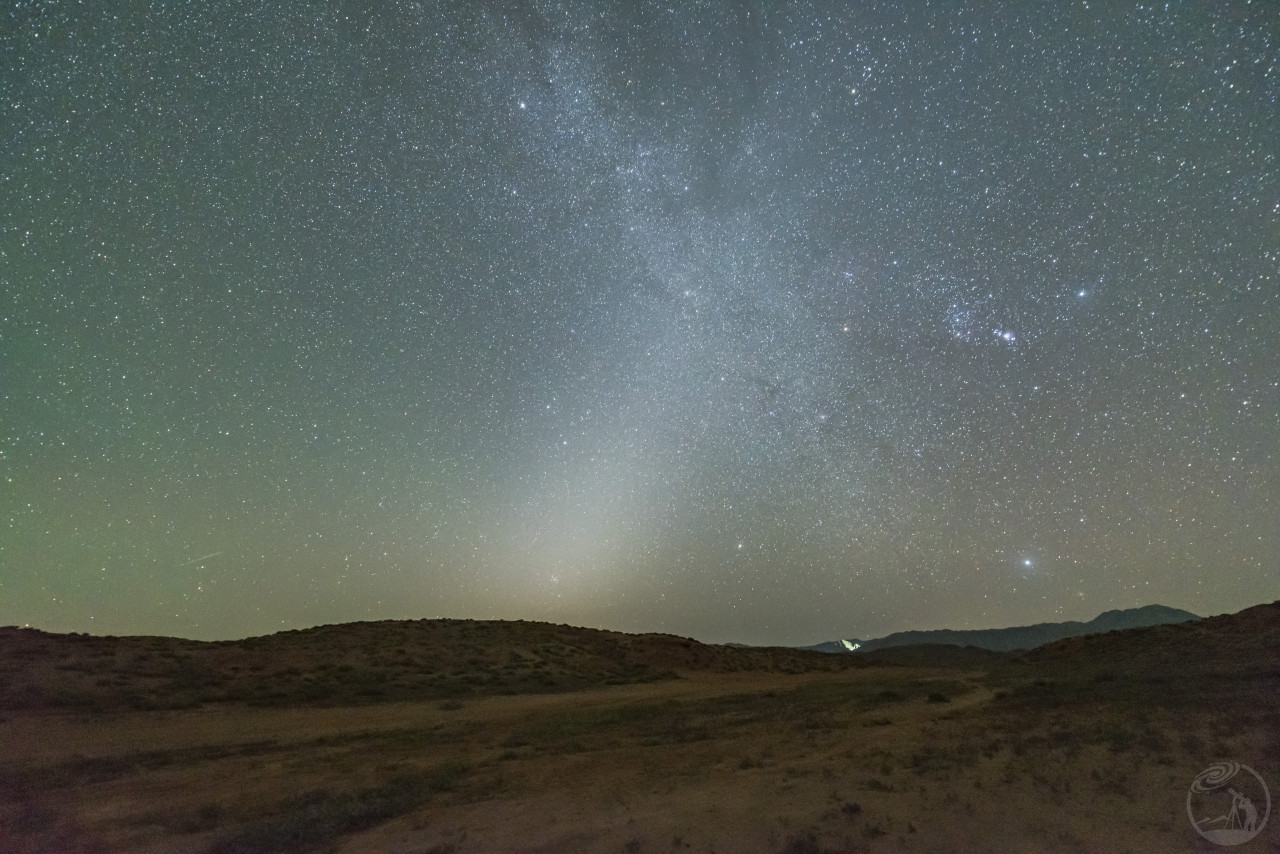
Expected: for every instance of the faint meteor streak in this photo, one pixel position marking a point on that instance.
(197, 560)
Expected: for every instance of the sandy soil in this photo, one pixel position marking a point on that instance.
(881, 759)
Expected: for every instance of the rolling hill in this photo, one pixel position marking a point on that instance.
(355, 663)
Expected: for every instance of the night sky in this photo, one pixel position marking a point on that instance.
(754, 322)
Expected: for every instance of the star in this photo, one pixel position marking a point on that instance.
(675, 303)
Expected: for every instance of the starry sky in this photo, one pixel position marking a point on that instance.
(761, 322)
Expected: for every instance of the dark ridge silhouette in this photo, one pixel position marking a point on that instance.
(354, 663)
(1231, 645)
(1196, 666)
(1017, 637)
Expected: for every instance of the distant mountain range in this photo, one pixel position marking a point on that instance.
(1017, 637)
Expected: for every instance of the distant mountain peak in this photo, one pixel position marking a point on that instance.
(1019, 637)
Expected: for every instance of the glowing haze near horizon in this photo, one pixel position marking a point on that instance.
(730, 320)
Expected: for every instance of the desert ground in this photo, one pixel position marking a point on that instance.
(1085, 745)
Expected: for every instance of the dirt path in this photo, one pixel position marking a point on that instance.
(35, 736)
